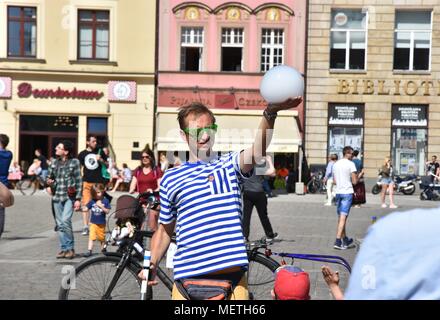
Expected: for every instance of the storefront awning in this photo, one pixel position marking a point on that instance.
(235, 131)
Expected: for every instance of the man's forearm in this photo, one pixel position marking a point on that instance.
(258, 150)
(159, 244)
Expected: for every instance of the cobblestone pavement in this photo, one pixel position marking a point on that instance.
(28, 247)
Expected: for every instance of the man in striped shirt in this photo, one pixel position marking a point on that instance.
(201, 201)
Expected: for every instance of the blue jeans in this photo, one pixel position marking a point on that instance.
(343, 203)
(44, 174)
(63, 216)
(266, 187)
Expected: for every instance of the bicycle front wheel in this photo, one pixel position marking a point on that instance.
(26, 187)
(92, 277)
(261, 276)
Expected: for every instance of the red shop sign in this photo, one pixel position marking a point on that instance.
(25, 91)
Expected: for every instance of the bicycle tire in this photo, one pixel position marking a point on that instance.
(261, 276)
(376, 189)
(131, 270)
(312, 187)
(27, 187)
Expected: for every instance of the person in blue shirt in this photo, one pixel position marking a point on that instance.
(5, 162)
(99, 207)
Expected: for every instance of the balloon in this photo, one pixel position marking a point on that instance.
(281, 83)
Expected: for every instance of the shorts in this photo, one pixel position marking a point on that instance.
(87, 192)
(97, 232)
(343, 203)
(386, 181)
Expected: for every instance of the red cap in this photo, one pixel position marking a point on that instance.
(291, 283)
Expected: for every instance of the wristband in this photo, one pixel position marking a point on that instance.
(270, 116)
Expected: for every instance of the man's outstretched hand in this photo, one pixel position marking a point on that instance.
(288, 104)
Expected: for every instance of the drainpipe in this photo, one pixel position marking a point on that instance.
(156, 68)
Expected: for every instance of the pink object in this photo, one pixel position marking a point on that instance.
(210, 85)
(122, 91)
(5, 87)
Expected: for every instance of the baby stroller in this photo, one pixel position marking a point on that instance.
(430, 190)
(131, 213)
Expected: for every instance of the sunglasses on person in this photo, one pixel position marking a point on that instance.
(195, 132)
(146, 157)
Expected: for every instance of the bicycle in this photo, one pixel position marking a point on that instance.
(316, 183)
(28, 185)
(114, 275)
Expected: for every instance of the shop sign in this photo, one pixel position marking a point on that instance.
(225, 101)
(25, 90)
(409, 116)
(345, 115)
(122, 91)
(5, 87)
(382, 87)
(238, 100)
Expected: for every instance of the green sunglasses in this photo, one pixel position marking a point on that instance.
(197, 131)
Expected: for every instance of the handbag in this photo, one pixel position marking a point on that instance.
(204, 289)
(6, 196)
(104, 171)
(359, 193)
(216, 287)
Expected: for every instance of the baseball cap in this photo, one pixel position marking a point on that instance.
(291, 283)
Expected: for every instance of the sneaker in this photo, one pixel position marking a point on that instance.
(70, 254)
(339, 245)
(85, 231)
(87, 254)
(327, 204)
(384, 205)
(274, 236)
(61, 255)
(348, 243)
(393, 206)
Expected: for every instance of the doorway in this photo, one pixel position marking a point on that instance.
(45, 132)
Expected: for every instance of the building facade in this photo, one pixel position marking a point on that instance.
(216, 52)
(373, 81)
(73, 67)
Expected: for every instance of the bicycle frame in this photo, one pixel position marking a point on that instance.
(315, 257)
(253, 250)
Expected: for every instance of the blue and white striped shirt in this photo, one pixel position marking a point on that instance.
(205, 200)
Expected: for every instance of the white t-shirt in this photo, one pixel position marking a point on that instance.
(342, 171)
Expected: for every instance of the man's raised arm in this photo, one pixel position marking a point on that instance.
(249, 157)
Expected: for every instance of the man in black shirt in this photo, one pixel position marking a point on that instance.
(43, 163)
(432, 167)
(91, 160)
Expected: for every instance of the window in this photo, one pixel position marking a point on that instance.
(232, 49)
(272, 48)
(93, 35)
(348, 39)
(98, 127)
(412, 40)
(22, 32)
(191, 49)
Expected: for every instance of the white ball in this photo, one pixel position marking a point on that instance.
(281, 83)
